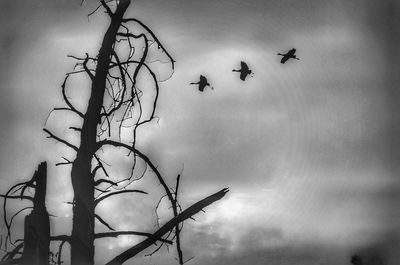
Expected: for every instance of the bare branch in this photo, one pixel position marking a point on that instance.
(142, 156)
(15, 215)
(67, 162)
(154, 37)
(60, 247)
(51, 135)
(98, 182)
(75, 128)
(10, 255)
(107, 8)
(64, 109)
(123, 86)
(121, 233)
(189, 212)
(101, 165)
(116, 193)
(86, 68)
(67, 100)
(17, 197)
(103, 222)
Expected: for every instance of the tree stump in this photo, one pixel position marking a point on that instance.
(37, 224)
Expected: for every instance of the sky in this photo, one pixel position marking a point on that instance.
(308, 149)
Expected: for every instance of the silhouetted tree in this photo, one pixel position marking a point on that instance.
(115, 110)
(36, 241)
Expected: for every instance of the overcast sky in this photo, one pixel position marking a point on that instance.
(307, 148)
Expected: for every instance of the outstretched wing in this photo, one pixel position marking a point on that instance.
(291, 52)
(284, 59)
(244, 66)
(203, 79)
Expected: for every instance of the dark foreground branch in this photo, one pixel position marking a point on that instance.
(128, 233)
(188, 213)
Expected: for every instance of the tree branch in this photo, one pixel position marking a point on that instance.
(107, 8)
(98, 182)
(67, 162)
(10, 255)
(17, 197)
(188, 213)
(154, 37)
(101, 165)
(67, 100)
(121, 233)
(103, 222)
(142, 156)
(51, 135)
(115, 193)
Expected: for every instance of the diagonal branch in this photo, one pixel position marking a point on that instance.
(51, 135)
(10, 255)
(107, 8)
(103, 222)
(188, 213)
(121, 233)
(101, 165)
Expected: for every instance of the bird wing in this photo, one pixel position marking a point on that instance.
(244, 66)
(284, 59)
(292, 51)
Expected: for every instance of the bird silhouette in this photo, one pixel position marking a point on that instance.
(244, 71)
(289, 55)
(202, 83)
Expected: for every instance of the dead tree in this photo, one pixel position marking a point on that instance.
(34, 247)
(117, 105)
(37, 224)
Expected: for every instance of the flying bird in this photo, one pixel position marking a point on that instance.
(202, 83)
(289, 55)
(244, 71)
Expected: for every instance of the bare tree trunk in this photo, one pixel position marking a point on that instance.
(37, 224)
(82, 237)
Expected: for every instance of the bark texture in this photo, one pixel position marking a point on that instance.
(82, 237)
